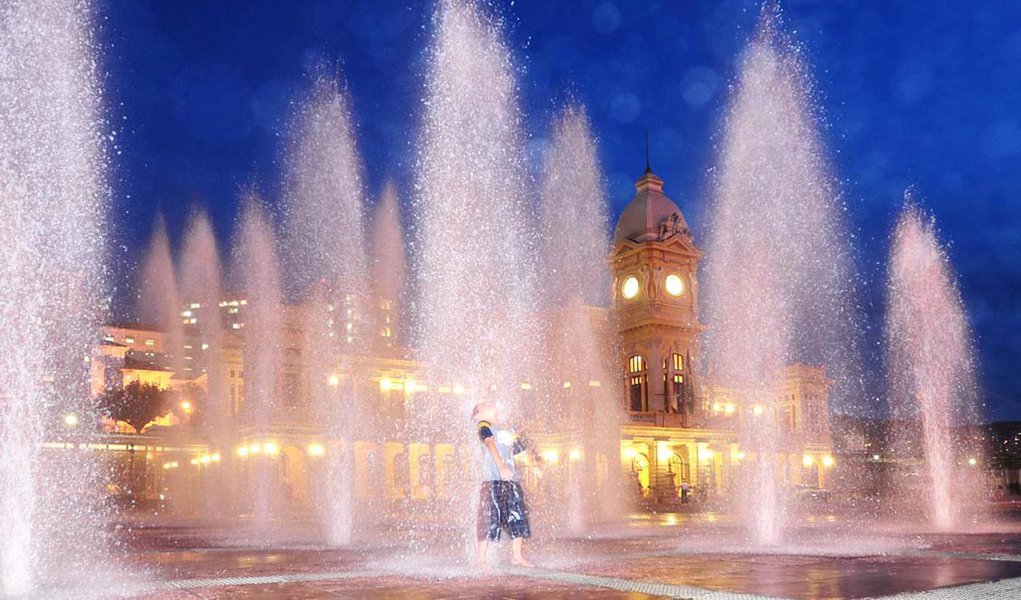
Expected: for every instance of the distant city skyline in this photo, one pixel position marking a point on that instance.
(910, 95)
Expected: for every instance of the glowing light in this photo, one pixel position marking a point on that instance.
(729, 408)
(254, 449)
(385, 385)
(243, 451)
(594, 383)
(71, 420)
(567, 384)
(630, 288)
(410, 386)
(740, 455)
(875, 457)
(526, 386)
(206, 459)
(458, 389)
(575, 454)
(215, 457)
(333, 380)
(316, 450)
(807, 460)
(757, 409)
(629, 453)
(271, 448)
(705, 454)
(186, 407)
(551, 456)
(972, 461)
(827, 460)
(674, 285)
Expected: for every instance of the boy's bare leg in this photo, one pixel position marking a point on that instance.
(519, 559)
(480, 558)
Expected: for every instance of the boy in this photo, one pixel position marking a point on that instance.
(501, 500)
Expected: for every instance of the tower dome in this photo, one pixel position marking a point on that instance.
(650, 215)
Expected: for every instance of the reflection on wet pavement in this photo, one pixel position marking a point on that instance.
(642, 561)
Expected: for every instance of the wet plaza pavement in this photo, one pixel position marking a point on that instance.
(658, 560)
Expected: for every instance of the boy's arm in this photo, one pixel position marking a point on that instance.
(523, 444)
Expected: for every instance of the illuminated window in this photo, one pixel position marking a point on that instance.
(630, 288)
(637, 381)
(678, 394)
(150, 342)
(786, 418)
(129, 340)
(636, 364)
(678, 362)
(674, 285)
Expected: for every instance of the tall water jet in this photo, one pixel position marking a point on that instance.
(573, 218)
(777, 283)
(930, 360)
(325, 209)
(327, 259)
(201, 280)
(388, 269)
(474, 317)
(257, 274)
(159, 303)
(53, 199)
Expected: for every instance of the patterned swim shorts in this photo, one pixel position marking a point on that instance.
(502, 506)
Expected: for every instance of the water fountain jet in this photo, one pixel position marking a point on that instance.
(929, 345)
(475, 310)
(573, 221)
(53, 197)
(257, 273)
(778, 277)
(326, 251)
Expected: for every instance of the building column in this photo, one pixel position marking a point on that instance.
(657, 394)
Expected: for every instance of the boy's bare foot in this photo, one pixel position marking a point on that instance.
(522, 562)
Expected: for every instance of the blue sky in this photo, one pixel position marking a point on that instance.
(912, 93)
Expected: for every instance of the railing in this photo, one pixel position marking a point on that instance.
(641, 418)
(656, 419)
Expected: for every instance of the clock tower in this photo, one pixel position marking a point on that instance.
(655, 302)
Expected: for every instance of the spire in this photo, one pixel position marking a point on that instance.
(648, 167)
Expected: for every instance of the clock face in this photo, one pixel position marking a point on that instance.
(674, 285)
(630, 288)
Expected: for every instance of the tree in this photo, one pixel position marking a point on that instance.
(136, 404)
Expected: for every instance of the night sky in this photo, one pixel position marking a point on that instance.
(913, 93)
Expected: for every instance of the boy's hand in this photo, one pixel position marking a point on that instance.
(506, 474)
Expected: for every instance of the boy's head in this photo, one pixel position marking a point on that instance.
(484, 411)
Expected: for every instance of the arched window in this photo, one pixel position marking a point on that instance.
(638, 383)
